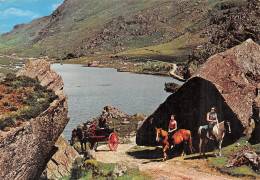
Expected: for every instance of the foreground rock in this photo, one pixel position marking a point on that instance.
(246, 156)
(61, 163)
(229, 80)
(24, 150)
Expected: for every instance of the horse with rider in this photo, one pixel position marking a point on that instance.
(213, 131)
(174, 137)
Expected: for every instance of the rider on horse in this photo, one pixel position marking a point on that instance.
(212, 119)
(172, 126)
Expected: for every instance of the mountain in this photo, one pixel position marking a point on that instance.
(170, 30)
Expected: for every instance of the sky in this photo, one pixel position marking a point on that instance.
(14, 12)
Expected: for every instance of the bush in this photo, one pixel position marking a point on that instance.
(33, 97)
(1, 96)
(77, 169)
(13, 108)
(8, 122)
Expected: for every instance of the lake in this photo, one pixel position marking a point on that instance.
(90, 89)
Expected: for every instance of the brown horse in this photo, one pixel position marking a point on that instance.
(180, 136)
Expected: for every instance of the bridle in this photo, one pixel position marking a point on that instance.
(227, 124)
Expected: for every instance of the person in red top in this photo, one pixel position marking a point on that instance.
(172, 126)
(93, 126)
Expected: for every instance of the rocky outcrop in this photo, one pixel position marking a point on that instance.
(228, 80)
(1, 77)
(24, 149)
(47, 77)
(61, 163)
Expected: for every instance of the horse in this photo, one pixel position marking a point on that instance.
(180, 136)
(78, 135)
(219, 132)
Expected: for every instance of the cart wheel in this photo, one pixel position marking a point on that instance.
(113, 141)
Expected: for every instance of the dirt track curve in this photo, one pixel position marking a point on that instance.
(176, 168)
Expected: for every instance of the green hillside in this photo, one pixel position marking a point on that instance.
(169, 30)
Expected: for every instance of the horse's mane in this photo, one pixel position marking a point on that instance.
(163, 132)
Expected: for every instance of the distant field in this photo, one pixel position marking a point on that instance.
(9, 65)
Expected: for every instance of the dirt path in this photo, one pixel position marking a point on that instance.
(176, 168)
(172, 73)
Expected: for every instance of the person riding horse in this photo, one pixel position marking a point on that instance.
(172, 126)
(212, 120)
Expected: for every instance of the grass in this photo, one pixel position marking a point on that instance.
(92, 169)
(227, 154)
(7, 65)
(22, 98)
(178, 47)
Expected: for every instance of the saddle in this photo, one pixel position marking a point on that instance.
(206, 127)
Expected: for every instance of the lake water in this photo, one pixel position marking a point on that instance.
(91, 89)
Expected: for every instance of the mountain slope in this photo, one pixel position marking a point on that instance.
(168, 29)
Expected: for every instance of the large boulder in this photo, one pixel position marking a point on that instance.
(25, 149)
(61, 162)
(229, 81)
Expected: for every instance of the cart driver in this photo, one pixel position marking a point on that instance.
(102, 122)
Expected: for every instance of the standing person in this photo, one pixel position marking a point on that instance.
(172, 126)
(212, 119)
(102, 122)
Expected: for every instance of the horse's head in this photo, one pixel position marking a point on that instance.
(79, 133)
(227, 127)
(158, 134)
(74, 133)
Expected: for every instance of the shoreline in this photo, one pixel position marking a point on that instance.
(120, 68)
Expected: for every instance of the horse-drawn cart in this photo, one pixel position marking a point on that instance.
(98, 135)
(92, 137)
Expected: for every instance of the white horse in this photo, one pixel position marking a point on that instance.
(219, 131)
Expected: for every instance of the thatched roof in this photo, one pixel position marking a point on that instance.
(236, 75)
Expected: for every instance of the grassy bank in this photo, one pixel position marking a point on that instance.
(92, 169)
(228, 154)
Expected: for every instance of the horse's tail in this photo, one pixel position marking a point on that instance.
(190, 144)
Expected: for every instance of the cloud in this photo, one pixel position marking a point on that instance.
(20, 12)
(54, 6)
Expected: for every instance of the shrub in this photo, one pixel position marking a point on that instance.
(7, 122)
(77, 168)
(13, 108)
(33, 97)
